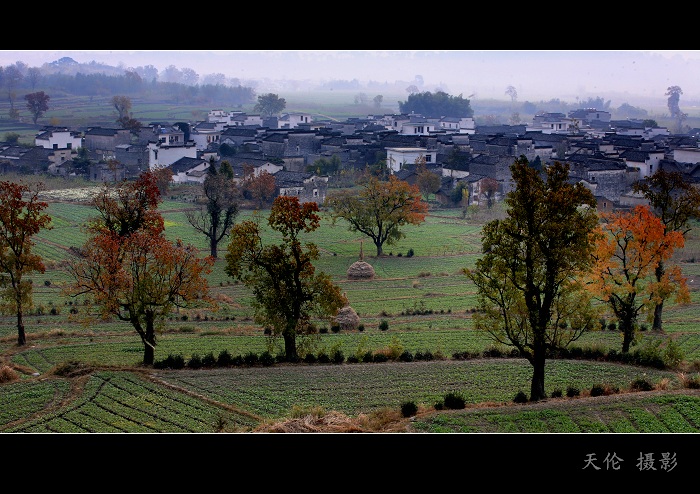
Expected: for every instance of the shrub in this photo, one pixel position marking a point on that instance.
(368, 356)
(380, 357)
(673, 355)
(439, 405)
(383, 325)
(557, 393)
(597, 390)
(195, 362)
(409, 409)
(641, 384)
(361, 327)
(572, 392)
(250, 358)
(266, 358)
(323, 357)
(520, 397)
(692, 382)
(410, 253)
(323, 330)
(406, 356)
(352, 359)
(335, 328)
(224, 359)
(310, 358)
(170, 362)
(454, 401)
(209, 360)
(337, 357)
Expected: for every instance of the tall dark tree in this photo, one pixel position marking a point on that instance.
(530, 295)
(675, 201)
(219, 212)
(37, 104)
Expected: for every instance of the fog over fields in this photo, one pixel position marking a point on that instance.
(568, 75)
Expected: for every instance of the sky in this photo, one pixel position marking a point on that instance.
(535, 74)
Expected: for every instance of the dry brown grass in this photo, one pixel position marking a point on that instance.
(320, 421)
(8, 374)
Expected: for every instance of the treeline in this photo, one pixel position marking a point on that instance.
(19, 78)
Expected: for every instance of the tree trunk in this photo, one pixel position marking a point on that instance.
(212, 247)
(627, 328)
(149, 343)
(379, 248)
(658, 310)
(290, 346)
(21, 336)
(537, 385)
(657, 316)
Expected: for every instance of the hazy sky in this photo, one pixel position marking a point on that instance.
(536, 75)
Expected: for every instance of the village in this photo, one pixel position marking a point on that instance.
(606, 155)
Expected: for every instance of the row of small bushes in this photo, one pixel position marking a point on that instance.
(649, 356)
(455, 401)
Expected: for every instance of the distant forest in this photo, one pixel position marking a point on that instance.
(68, 77)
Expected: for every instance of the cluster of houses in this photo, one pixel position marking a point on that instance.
(606, 155)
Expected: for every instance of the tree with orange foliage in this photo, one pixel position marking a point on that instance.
(379, 209)
(21, 217)
(676, 201)
(260, 188)
(286, 287)
(129, 267)
(626, 258)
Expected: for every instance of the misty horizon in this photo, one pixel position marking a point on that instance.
(620, 76)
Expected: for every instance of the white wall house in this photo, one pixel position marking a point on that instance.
(458, 125)
(397, 158)
(58, 139)
(551, 123)
(418, 128)
(686, 155)
(203, 134)
(160, 154)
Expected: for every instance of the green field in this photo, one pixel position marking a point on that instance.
(425, 301)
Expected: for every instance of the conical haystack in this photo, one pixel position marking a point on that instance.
(360, 270)
(347, 318)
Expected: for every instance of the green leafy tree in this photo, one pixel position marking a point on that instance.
(81, 162)
(676, 202)
(529, 289)
(287, 290)
(217, 216)
(21, 217)
(130, 269)
(379, 209)
(270, 104)
(437, 105)
(428, 182)
(37, 104)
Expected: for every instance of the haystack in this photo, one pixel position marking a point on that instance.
(360, 270)
(347, 318)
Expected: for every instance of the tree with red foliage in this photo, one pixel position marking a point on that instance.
(21, 217)
(130, 268)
